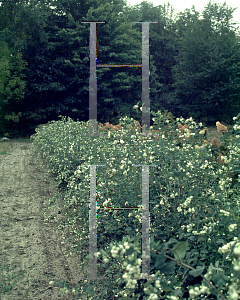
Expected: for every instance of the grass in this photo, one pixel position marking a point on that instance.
(194, 207)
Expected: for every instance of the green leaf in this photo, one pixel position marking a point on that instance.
(218, 280)
(104, 292)
(165, 287)
(171, 241)
(180, 250)
(158, 260)
(179, 174)
(168, 267)
(64, 284)
(130, 251)
(89, 289)
(201, 239)
(197, 271)
(196, 191)
(61, 284)
(236, 169)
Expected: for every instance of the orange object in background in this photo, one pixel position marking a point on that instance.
(221, 127)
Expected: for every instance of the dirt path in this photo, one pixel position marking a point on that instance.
(27, 243)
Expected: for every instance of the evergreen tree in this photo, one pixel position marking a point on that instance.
(58, 60)
(21, 29)
(163, 48)
(12, 88)
(118, 42)
(194, 61)
(207, 84)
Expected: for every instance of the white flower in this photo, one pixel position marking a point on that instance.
(236, 266)
(139, 261)
(157, 283)
(106, 260)
(125, 263)
(129, 267)
(232, 227)
(153, 297)
(237, 249)
(114, 252)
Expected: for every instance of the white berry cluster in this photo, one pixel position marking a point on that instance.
(119, 250)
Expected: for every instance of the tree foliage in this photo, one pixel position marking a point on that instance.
(193, 59)
(12, 88)
(206, 82)
(163, 48)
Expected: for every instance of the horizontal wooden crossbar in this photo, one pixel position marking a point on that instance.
(113, 66)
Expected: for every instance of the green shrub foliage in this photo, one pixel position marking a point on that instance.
(194, 206)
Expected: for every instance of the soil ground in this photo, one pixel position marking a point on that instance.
(28, 244)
